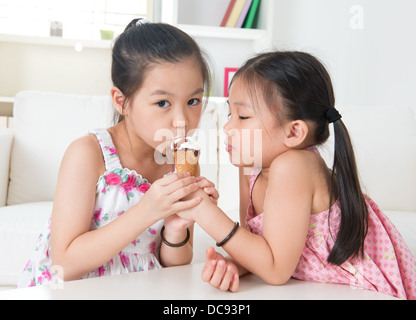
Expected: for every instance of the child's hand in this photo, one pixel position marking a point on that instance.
(176, 228)
(220, 272)
(189, 214)
(205, 191)
(174, 222)
(166, 196)
(209, 188)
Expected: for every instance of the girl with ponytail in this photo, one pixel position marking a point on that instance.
(299, 218)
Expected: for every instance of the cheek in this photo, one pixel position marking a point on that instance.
(273, 147)
(248, 147)
(257, 146)
(144, 125)
(194, 117)
(261, 147)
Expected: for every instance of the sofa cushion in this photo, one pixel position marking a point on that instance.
(20, 227)
(6, 138)
(44, 126)
(208, 140)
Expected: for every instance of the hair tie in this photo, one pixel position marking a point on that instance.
(142, 21)
(332, 115)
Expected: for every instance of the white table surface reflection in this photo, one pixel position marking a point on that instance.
(184, 283)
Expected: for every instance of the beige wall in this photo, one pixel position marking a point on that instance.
(54, 68)
(372, 65)
(30, 64)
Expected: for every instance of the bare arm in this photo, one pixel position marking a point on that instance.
(172, 256)
(176, 232)
(286, 218)
(78, 250)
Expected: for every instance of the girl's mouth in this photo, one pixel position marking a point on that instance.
(228, 147)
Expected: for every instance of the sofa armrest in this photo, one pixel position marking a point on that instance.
(6, 140)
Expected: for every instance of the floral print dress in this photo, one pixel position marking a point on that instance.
(118, 189)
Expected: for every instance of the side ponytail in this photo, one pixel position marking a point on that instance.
(354, 218)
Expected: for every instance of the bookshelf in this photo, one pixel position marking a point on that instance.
(202, 19)
(226, 47)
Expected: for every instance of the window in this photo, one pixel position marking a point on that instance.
(73, 19)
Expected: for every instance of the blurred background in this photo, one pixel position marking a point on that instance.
(65, 46)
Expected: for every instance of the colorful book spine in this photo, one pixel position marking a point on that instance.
(235, 14)
(248, 24)
(228, 13)
(244, 13)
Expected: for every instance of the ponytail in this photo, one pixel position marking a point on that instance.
(354, 218)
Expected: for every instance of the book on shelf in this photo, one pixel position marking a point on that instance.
(249, 22)
(241, 14)
(244, 13)
(235, 13)
(228, 13)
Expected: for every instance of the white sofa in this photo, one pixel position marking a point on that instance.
(44, 124)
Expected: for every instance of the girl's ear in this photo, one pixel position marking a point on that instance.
(296, 133)
(118, 100)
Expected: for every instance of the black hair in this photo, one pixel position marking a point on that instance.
(303, 85)
(143, 45)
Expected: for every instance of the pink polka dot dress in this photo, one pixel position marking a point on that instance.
(388, 265)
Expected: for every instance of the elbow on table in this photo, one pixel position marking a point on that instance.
(276, 278)
(64, 270)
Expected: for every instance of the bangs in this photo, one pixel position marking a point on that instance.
(261, 91)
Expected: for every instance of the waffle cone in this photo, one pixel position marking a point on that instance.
(186, 161)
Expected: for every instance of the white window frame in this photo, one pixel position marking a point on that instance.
(80, 19)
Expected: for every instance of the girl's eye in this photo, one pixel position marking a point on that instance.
(239, 117)
(194, 102)
(163, 104)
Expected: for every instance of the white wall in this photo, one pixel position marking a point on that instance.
(202, 12)
(371, 63)
(224, 53)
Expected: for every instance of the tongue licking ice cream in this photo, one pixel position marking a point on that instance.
(186, 153)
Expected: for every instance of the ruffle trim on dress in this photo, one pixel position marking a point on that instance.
(126, 262)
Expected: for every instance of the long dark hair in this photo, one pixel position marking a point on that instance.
(304, 86)
(143, 45)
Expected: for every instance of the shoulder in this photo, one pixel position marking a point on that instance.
(292, 183)
(84, 154)
(294, 162)
(297, 168)
(84, 147)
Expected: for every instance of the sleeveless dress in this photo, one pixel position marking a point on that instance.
(388, 265)
(118, 189)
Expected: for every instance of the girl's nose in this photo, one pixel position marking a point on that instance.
(227, 127)
(180, 124)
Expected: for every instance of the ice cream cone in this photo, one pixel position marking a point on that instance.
(186, 153)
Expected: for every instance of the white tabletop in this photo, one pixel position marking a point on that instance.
(184, 283)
